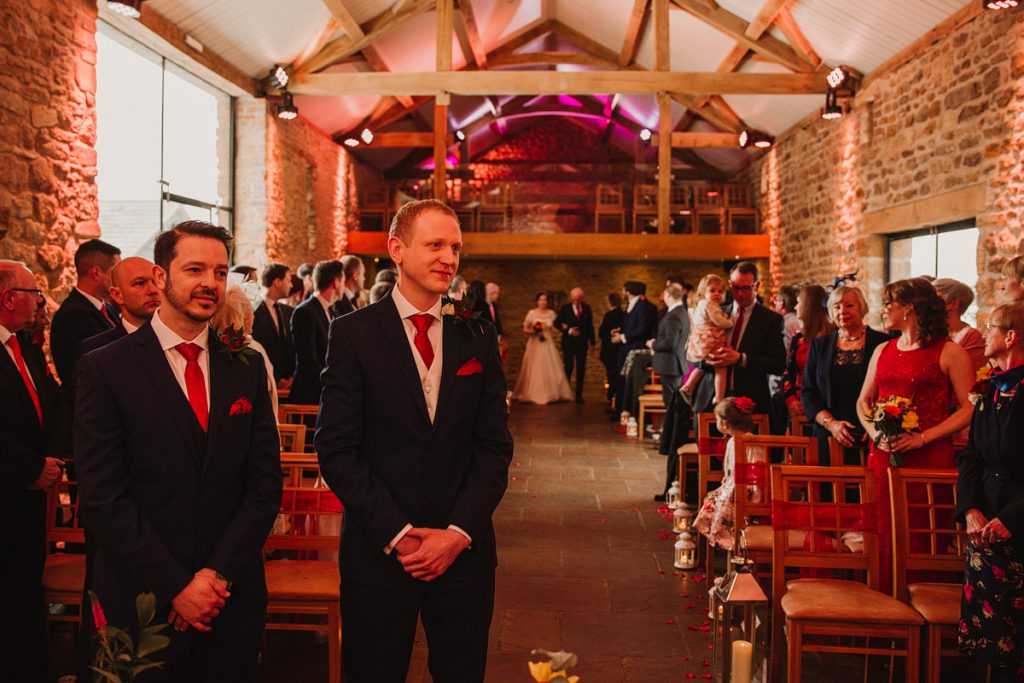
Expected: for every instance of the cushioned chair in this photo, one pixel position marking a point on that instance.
(926, 537)
(308, 526)
(64, 572)
(817, 612)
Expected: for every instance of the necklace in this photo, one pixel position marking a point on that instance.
(850, 339)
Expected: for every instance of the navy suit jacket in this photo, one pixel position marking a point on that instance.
(163, 498)
(567, 319)
(75, 321)
(277, 342)
(309, 334)
(638, 326)
(98, 341)
(385, 460)
(670, 343)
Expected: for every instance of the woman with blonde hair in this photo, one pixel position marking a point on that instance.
(237, 314)
(958, 298)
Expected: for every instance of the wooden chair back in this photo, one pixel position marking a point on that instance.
(753, 482)
(799, 426)
(925, 534)
(295, 413)
(711, 447)
(306, 505)
(62, 525)
(293, 437)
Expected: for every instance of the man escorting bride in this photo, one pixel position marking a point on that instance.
(542, 376)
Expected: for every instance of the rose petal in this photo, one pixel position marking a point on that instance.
(670, 621)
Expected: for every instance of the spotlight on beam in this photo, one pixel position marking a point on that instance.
(763, 141)
(287, 109)
(128, 8)
(837, 77)
(755, 138)
(366, 136)
(999, 4)
(278, 77)
(460, 135)
(833, 110)
(351, 142)
(645, 134)
(744, 139)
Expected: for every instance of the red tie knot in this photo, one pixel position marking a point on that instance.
(12, 341)
(422, 321)
(189, 351)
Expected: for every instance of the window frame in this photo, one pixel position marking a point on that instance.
(932, 230)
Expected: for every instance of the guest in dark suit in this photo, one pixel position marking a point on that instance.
(834, 373)
(669, 361)
(134, 291)
(413, 438)
(83, 313)
(310, 322)
(613, 317)
(492, 292)
(637, 327)
(576, 321)
(271, 325)
(305, 273)
(354, 278)
(990, 501)
(178, 467)
(756, 349)
(33, 437)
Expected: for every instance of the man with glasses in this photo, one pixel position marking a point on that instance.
(32, 435)
(755, 350)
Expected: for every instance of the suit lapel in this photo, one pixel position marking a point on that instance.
(394, 333)
(168, 391)
(9, 368)
(451, 352)
(221, 374)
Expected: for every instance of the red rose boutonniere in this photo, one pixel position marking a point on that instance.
(235, 342)
(982, 384)
(462, 313)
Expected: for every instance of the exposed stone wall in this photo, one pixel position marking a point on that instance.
(48, 199)
(951, 118)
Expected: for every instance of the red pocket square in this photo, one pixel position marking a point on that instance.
(240, 407)
(470, 367)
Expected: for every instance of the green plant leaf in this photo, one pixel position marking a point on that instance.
(145, 607)
(106, 675)
(136, 670)
(152, 630)
(122, 638)
(150, 644)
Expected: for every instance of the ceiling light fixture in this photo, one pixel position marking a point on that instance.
(460, 135)
(352, 142)
(127, 8)
(366, 136)
(744, 139)
(645, 134)
(837, 76)
(755, 138)
(999, 4)
(833, 110)
(287, 109)
(278, 77)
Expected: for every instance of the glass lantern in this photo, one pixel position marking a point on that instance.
(682, 519)
(632, 429)
(624, 418)
(686, 552)
(740, 612)
(672, 496)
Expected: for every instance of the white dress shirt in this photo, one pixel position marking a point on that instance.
(128, 327)
(430, 378)
(325, 303)
(91, 299)
(6, 334)
(168, 339)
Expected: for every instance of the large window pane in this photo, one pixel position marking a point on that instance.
(946, 253)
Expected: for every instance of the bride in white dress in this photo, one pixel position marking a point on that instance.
(542, 376)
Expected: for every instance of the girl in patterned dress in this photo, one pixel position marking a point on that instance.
(710, 324)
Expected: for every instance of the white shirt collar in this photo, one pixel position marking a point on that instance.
(168, 338)
(269, 302)
(91, 299)
(5, 334)
(128, 327)
(324, 302)
(406, 309)
(675, 306)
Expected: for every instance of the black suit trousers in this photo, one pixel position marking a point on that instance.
(575, 355)
(378, 625)
(23, 630)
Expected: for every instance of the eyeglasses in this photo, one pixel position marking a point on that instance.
(742, 288)
(989, 327)
(37, 292)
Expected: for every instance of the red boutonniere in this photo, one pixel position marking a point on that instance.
(462, 313)
(235, 343)
(982, 385)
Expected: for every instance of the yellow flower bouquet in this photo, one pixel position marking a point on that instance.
(553, 670)
(893, 416)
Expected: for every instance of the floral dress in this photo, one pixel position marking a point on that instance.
(716, 518)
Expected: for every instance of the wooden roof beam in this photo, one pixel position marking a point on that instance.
(784, 20)
(634, 30)
(345, 19)
(476, 44)
(531, 58)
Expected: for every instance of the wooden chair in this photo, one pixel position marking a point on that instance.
(748, 508)
(645, 206)
(306, 587)
(64, 573)
(832, 608)
(299, 414)
(688, 453)
(923, 504)
(650, 405)
(609, 208)
(293, 437)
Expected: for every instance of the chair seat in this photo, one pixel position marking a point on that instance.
(64, 572)
(761, 537)
(844, 601)
(303, 580)
(938, 603)
(652, 400)
(688, 449)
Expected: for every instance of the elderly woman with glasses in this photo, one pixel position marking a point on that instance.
(990, 501)
(958, 298)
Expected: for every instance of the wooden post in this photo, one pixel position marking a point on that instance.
(664, 160)
(445, 14)
(661, 46)
(441, 145)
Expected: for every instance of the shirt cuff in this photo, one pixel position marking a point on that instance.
(622, 338)
(469, 538)
(394, 541)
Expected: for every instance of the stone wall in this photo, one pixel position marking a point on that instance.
(950, 119)
(47, 135)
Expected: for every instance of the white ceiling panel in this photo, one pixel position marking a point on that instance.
(694, 46)
(413, 46)
(602, 20)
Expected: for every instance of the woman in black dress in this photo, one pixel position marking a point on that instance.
(834, 373)
(609, 352)
(990, 501)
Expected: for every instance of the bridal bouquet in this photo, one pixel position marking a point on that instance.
(891, 417)
(553, 670)
(538, 329)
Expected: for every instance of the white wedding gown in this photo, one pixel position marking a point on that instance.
(542, 377)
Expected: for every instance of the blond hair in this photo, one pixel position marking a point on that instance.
(401, 224)
(707, 281)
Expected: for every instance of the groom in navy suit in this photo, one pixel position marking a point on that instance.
(179, 470)
(413, 438)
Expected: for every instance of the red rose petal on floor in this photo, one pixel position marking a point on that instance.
(690, 606)
(684, 595)
(661, 572)
(705, 623)
(705, 675)
(692, 628)
(706, 662)
(691, 675)
(670, 621)
(711, 646)
(513, 477)
(518, 464)
(636, 509)
(684, 659)
(676, 573)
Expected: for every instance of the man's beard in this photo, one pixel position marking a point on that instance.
(180, 303)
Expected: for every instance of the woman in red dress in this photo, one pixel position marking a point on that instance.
(922, 364)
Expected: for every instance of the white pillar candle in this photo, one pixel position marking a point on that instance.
(742, 662)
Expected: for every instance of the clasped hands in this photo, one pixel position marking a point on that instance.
(981, 531)
(426, 554)
(200, 602)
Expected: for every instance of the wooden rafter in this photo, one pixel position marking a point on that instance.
(476, 43)
(400, 139)
(345, 19)
(634, 30)
(445, 17)
(317, 44)
(686, 140)
(735, 27)
(662, 53)
(784, 20)
(459, 24)
(373, 58)
(530, 58)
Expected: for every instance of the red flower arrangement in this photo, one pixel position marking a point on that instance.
(745, 404)
(462, 313)
(538, 329)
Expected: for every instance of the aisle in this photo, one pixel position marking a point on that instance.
(581, 563)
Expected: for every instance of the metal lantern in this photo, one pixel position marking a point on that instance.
(624, 418)
(686, 552)
(672, 496)
(632, 429)
(682, 519)
(740, 611)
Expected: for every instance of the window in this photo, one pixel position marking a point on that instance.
(163, 145)
(943, 251)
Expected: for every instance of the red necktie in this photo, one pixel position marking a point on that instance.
(579, 312)
(12, 341)
(421, 341)
(103, 310)
(195, 383)
(494, 318)
(737, 328)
